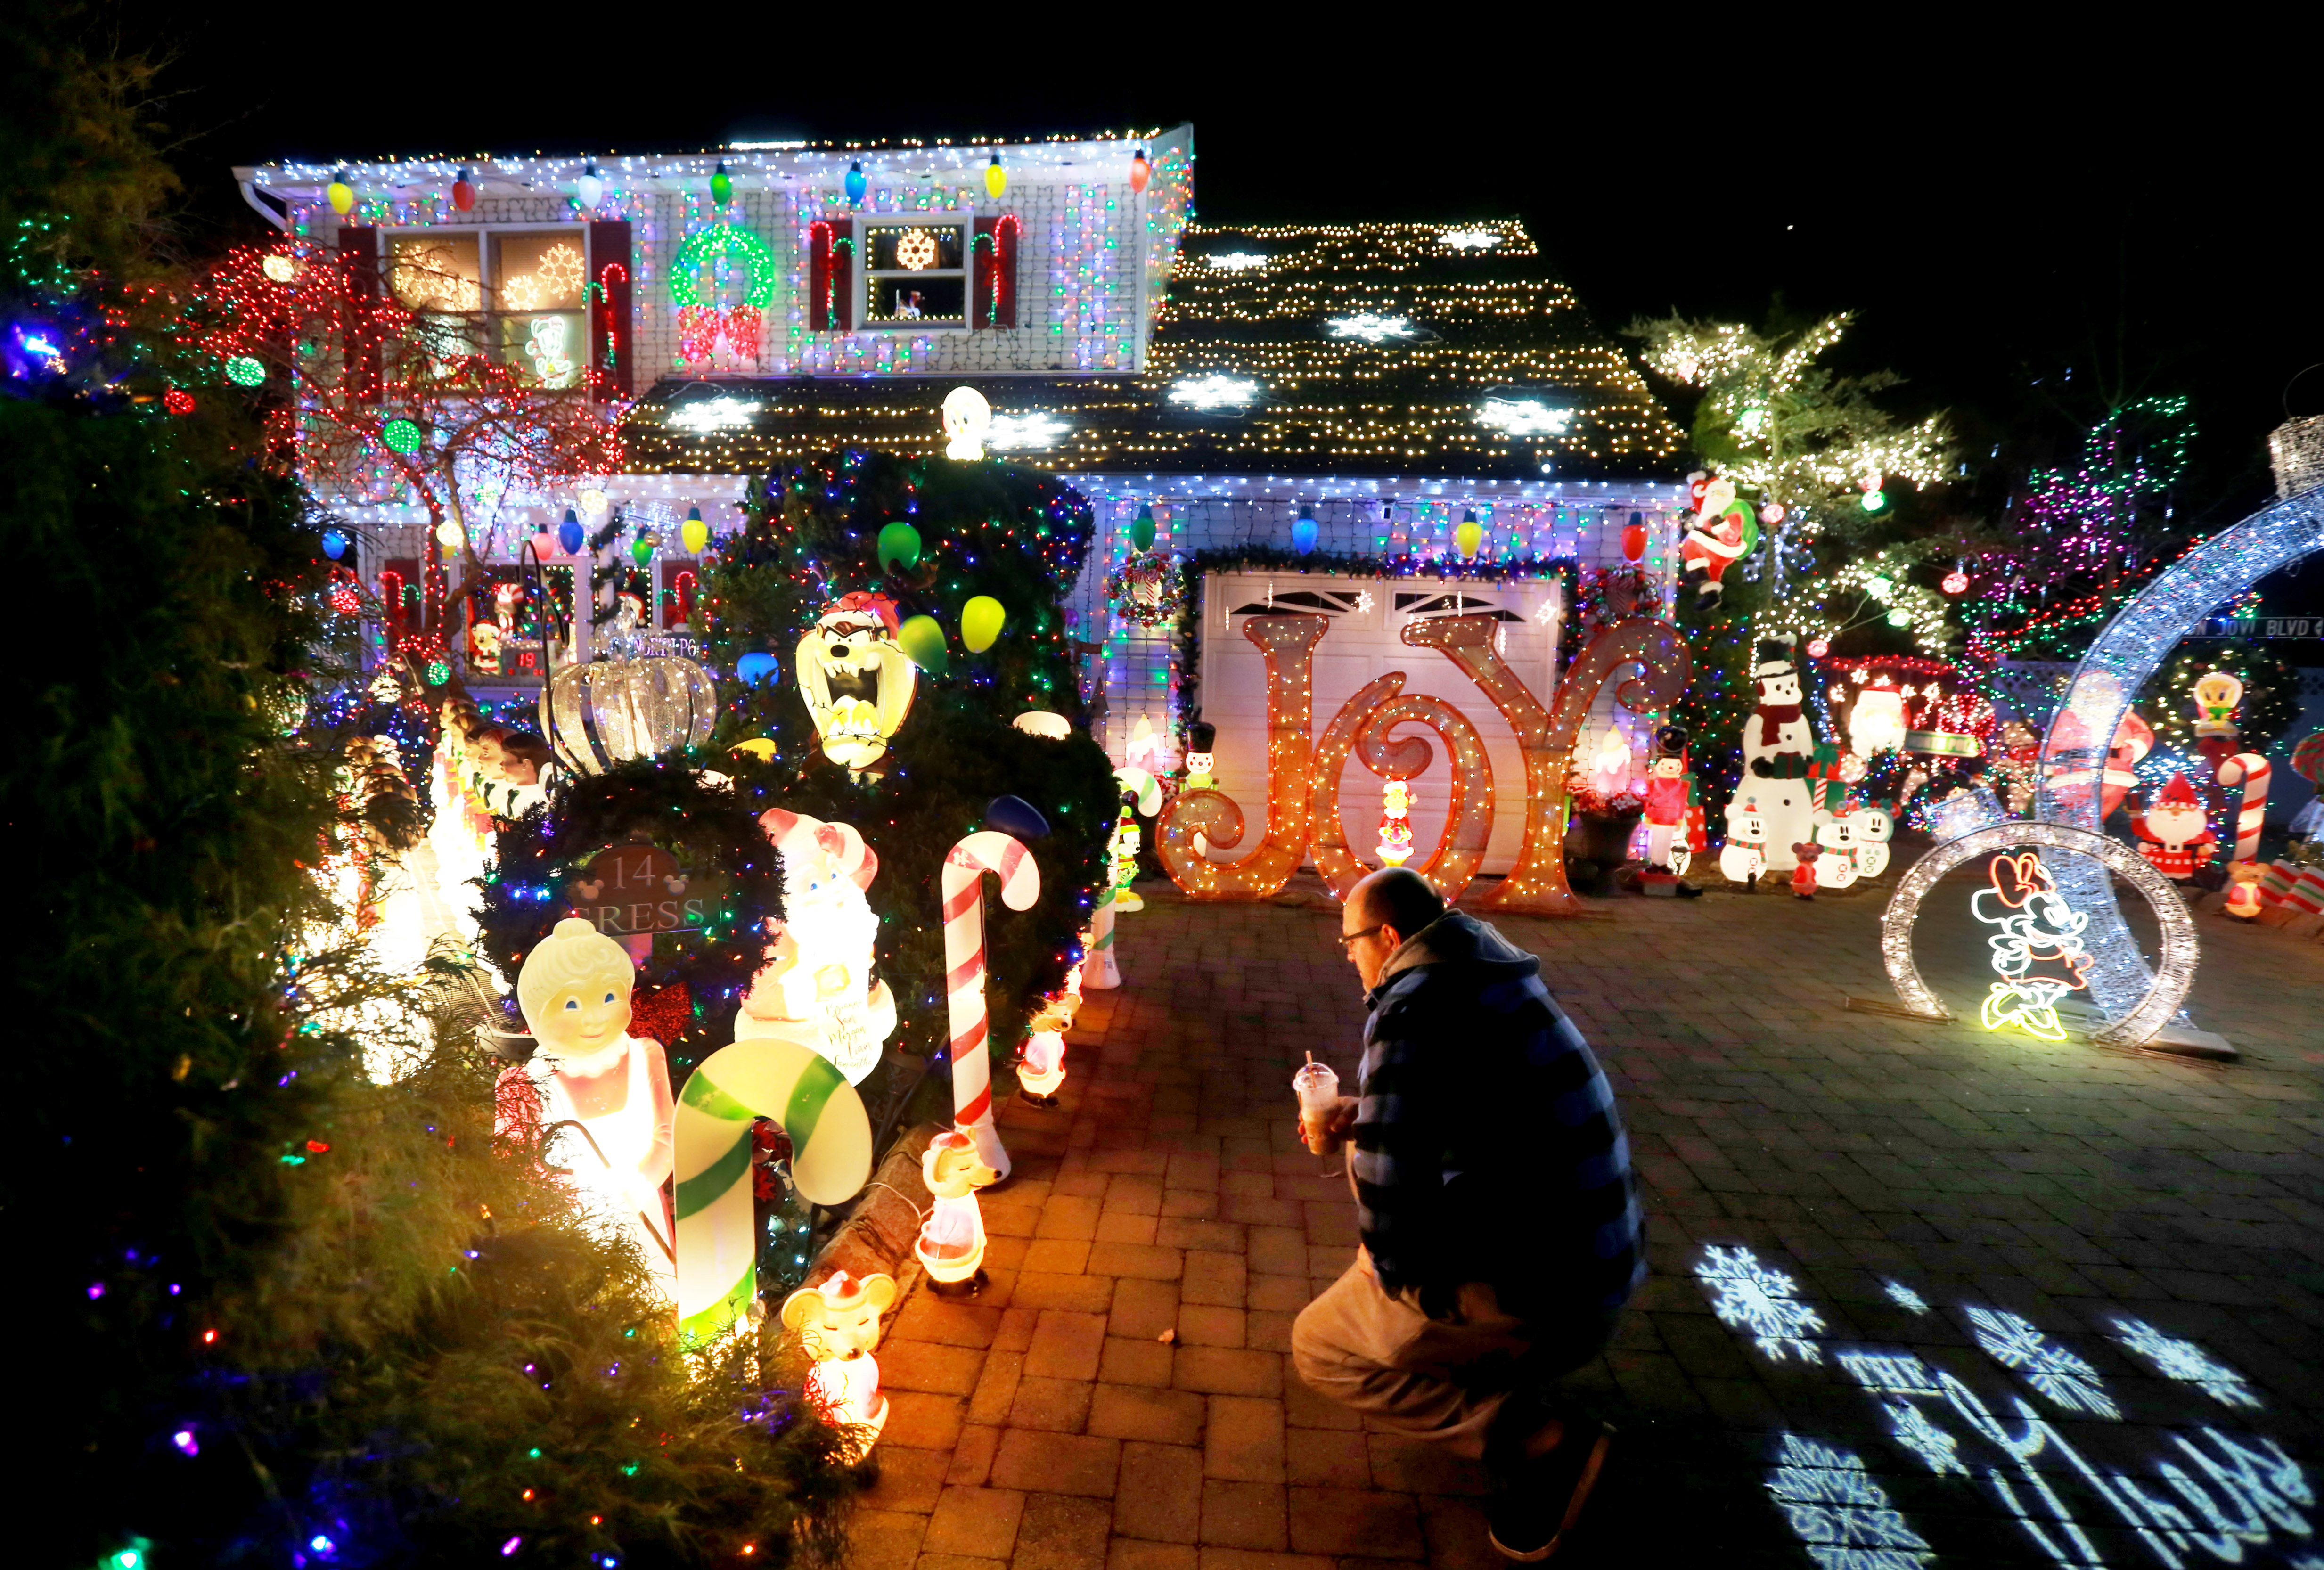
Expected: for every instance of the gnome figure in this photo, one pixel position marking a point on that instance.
(2175, 834)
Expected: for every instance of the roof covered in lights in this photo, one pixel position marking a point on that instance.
(1358, 349)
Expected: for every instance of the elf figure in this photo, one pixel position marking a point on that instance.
(2175, 833)
(1670, 790)
(1124, 849)
(1777, 746)
(1804, 868)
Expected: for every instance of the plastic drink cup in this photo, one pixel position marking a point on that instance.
(1319, 1093)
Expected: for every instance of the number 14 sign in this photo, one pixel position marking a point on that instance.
(635, 890)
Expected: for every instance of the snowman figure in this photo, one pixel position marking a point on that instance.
(1777, 741)
(1744, 855)
(1870, 828)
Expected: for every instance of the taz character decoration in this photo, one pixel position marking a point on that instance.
(2175, 834)
(857, 679)
(603, 1094)
(1777, 747)
(838, 1325)
(1720, 530)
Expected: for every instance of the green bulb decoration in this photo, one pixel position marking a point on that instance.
(900, 548)
(722, 185)
(980, 620)
(641, 549)
(1141, 532)
(923, 642)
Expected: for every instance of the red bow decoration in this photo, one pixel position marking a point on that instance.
(662, 1014)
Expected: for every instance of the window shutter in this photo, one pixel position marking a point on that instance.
(831, 275)
(610, 263)
(359, 253)
(992, 273)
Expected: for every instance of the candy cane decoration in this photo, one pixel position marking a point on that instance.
(1101, 971)
(965, 865)
(2250, 771)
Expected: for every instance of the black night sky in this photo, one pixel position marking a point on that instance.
(2028, 228)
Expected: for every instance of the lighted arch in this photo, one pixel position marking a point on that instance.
(2159, 1000)
(2119, 663)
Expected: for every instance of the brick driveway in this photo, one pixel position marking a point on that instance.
(1896, 1187)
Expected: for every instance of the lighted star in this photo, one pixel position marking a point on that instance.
(1524, 417)
(1015, 432)
(1238, 260)
(1370, 327)
(1214, 391)
(1472, 239)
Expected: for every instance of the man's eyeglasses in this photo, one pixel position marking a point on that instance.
(1347, 937)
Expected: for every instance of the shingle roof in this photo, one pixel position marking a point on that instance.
(1372, 348)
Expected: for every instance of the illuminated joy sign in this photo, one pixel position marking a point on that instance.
(2200, 1492)
(635, 890)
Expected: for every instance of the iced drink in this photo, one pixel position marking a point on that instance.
(1319, 1093)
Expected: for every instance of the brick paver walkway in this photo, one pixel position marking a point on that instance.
(1875, 1163)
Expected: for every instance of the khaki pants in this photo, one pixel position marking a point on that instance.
(1446, 1380)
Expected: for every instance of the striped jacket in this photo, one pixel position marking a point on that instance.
(1487, 1146)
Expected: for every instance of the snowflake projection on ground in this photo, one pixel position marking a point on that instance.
(1841, 1514)
(2185, 1361)
(2014, 1342)
(1751, 1297)
(1904, 1298)
(2204, 1495)
(2121, 661)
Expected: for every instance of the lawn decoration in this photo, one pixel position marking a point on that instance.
(1777, 746)
(1395, 824)
(2251, 771)
(817, 987)
(838, 1325)
(1141, 792)
(1670, 791)
(1363, 726)
(951, 1241)
(603, 1098)
(1744, 857)
(2175, 833)
(615, 711)
(857, 679)
(831, 1159)
(964, 867)
(1719, 531)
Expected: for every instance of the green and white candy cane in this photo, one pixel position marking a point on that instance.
(831, 1160)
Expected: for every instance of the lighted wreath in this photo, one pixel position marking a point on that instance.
(1146, 589)
(700, 324)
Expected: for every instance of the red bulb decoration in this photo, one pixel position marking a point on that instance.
(463, 193)
(1634, 541)
(177, 400)
(1956, 582)
(1819, 647)
(1140, 171)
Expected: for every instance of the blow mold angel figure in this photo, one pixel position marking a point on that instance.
(610, 1090)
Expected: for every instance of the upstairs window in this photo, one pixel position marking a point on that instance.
(915, 275)
(514, 294)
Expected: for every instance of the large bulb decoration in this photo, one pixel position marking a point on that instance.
(857, 679)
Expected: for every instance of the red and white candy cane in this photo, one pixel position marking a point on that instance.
(965, 865)
(2250, 771)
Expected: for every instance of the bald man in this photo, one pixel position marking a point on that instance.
(1500, 1224)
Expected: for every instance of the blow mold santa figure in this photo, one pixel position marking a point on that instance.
(1720, 529)
(2175, 834)
(1777, 746)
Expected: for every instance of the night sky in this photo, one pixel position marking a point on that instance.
(2026, 229)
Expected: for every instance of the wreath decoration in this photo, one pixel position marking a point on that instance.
(701, 323)
(690, 983)
(1146, 589)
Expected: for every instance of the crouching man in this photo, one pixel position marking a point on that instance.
(1500, 1223)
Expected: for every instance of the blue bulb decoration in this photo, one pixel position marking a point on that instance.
(754, 669)
(857, 184)
(569, 533)
(1016, 816)
(1303, 531)
(334, 544)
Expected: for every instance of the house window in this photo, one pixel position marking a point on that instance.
(915, 275)
(514, 294)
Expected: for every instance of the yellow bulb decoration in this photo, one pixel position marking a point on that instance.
(694, 533)
(980, 620)
(1470, 535)
(341, 194)
(996, 179)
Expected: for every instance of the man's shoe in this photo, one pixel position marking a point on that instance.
(1530, 1518)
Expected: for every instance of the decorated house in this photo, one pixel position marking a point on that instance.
(1378, 424)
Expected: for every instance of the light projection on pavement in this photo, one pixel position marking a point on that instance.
(2111, 1488)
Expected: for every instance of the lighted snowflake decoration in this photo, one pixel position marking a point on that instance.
(1372, 328)
(1364, 601)
(1904, 1298)
(1544, 614)
(1934, 1447)
(1238, 260)
(1017, 432)
(1746, 1296)
(1214, 391)
(1524, 417)
(2065, 1379)
(2185, 1361)
(560, 270)
(1841, 1514)
(1470, 239)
